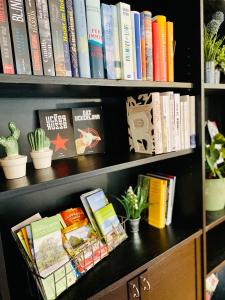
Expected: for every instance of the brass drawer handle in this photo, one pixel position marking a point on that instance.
(145, 283)
(136, 293)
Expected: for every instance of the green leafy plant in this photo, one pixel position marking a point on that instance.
(220, 58)
(10, 143)
(214, 152)
(38, 140)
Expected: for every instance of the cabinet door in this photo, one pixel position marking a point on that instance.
(172, 278)
(119, 293)
(134, 289)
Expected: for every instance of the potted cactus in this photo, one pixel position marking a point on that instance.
(14, 165)
(41, 154)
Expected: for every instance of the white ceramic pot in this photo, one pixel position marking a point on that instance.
(214, 194)
(14, 166)
(42, 159)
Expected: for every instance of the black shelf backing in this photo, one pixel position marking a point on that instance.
(71, 169)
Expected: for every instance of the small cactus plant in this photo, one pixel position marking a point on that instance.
(38, 140)
(10, 143)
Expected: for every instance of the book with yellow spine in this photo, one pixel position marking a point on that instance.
(170, 51)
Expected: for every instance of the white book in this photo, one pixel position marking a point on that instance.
(116, 42)
(186, 115)
(133, 45)
(177, 123)
(165, 115)
(125, 38)
(192, 122)
(181, 125)
(157, 123)
(171, 200)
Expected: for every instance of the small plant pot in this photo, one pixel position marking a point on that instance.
(42, 159)
(134, 225)
(214, 194)
(209, 72)
(14, 167)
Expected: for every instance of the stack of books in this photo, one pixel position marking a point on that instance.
(83, 38)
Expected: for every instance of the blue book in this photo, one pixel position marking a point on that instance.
(82, 41)
(107, 28)
(137, 34)
(95, 44)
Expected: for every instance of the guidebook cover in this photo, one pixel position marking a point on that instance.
(88, 130)
(59, 129)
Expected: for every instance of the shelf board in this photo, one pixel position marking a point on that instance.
(214, 218)
(48, 80)
(143, 247)
(71, 169)
(212, 86)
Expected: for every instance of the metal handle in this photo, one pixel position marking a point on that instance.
(136, 293)
(146, 284)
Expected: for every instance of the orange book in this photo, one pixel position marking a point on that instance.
(143, 52)
(157, 202)
(24, 233)
(161, 20)
(170, 51)
(155, 48)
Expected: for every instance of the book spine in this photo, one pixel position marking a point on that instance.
(32, 25)
(133, 45)
(109, 61)
(170, 51)
(143, 54)
(177, 122)
(161, 20)
(65, 39)
(72, 38)
(95, 44)
(19, 34)
(172, 128)
(148, 44)
(165, 123)
(116, 42)
(182, 127)
(155, 43)
(45, 37)
(137, 32)
(82, 42)
(157, 123)
(171, 189)
(5, 40)
(186, 122)
(192, 122)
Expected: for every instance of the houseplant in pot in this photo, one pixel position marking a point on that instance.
(14, 165)
(215, 173)
(41, 154)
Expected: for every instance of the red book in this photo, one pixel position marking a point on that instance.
(155, 43)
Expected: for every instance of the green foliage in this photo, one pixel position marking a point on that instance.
(220, 58)
(10, 143)
(213, 152)
(38, 140)
(212, 46)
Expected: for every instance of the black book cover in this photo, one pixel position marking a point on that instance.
(88, 130)
(35, 49)
(45, 37)
(5, 41)
(59, 129)
(19, 36)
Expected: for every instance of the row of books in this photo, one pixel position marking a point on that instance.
(80, 38)
(160, 199)
(60, 248)
(161, 122)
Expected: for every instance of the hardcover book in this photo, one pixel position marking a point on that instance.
(133, 45)
(33, 31)
(148, 44)
(5, 40)
(95, 44)
(19, 37)
(59, 129)
(45, 37)
(137, 38)
(88, 130)
(116, 42)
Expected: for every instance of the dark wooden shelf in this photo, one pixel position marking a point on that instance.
(214, 218)
(48, 80)
(68, 170)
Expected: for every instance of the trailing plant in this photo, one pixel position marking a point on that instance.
(38, 140)
(10, 143)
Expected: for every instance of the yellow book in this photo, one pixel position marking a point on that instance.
(170, 51)
(21, 238)
(24, 233)
(157, 202)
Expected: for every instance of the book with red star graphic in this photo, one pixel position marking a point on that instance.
(59, 129)
(88, 130)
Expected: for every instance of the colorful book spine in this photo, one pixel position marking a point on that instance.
(143, 54)
(82, 41)
(19, 37)
(65, 39)
(5, 40)
(125, 35)
(161, 20)
(170, 51)
(72, 38)
(192, 122)
(155, 43)
(109, 60)
(137, 34)
(148, 44)
(45, 37)
(95, 44)
(35, 49)
(133, 45)
(117, 59)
